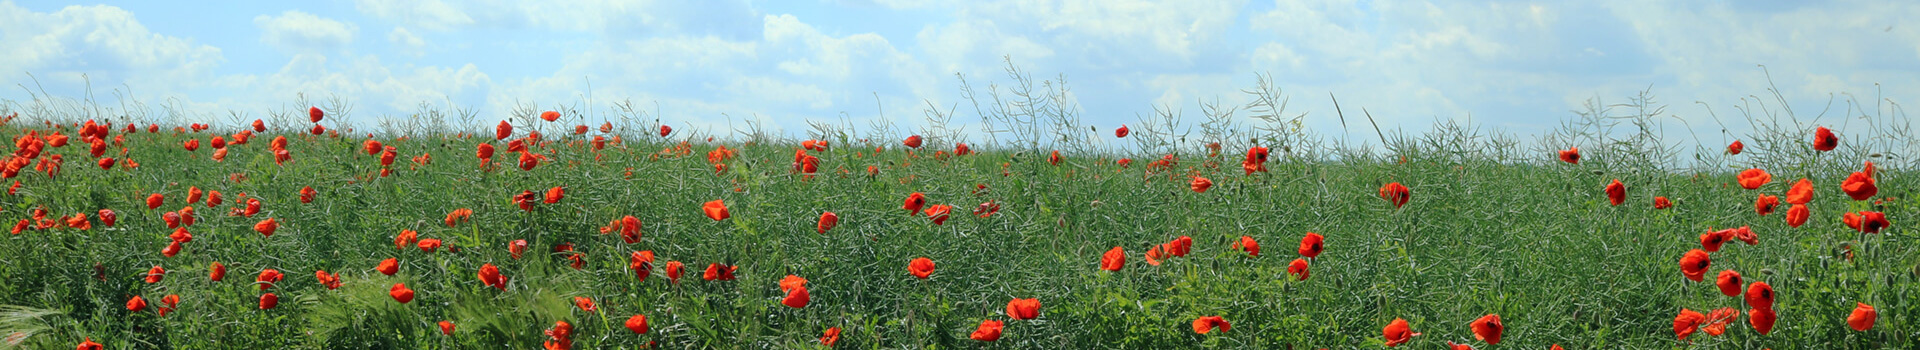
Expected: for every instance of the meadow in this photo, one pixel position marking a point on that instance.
(563, 239)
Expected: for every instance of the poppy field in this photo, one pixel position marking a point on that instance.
(563, 230)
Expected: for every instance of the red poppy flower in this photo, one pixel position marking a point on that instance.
(1718, 320)
(914, 202)
(388, 267)
(313, 113)
(502, 131)
(1298, 268)
(1570, 155)
(401, 293)
(528, 161)
(584, 304)
(517, 247)
(1312, 244)
(1200, 184)
(832, 335)
(673, 269)
(490, 276)
(555, 194)
(560, 337)
(154, 201)
(1712, 240)
(637, 324)
(329, 280)
(1246, 243)
(641, 262)
(1206, 324)
(912, 141)
(827, 221)
(961, 149)
(920, 267)
(268, 301)
(1023, 309)
(1687, 323)
(1862, 317)
(307, 194)
(1487, 328)
(267, 278)
(1114, 259)
(88, 344)
(938, 213)
(1752, 179)
(266, 227)
(630, 229)
(1762, 320)
(1765, 204)
(1729, 283)
(1395, 193)
(664, 130)
(1122, 133)
(136, 304)
(1866, 221)
(718, 272)
(989, 331)
(155, 274)
(1053, 158)
(1180, 246)
(446, 327)
(1616, 192)
(429, 244)
(1452, 346)
(1801, 192)
(1823, 139)
(1397, 332)
(1798, 215)
(1860, 185)
(1735, 147)
(107, 217)
(796, 297)
(550, 115)
(105, 163)
(715, 210)
(1662, 203)
(1760, 295)
(217, 272)
(1694, 265)
(405, 239)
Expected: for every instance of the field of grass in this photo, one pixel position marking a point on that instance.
(1491, 226)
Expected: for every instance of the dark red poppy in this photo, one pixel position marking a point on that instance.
(1570, 155)
(268, 301)
(664, 130)
(1687, 323)
(1661, 202)
(827, 221)
(719, 272)
(1762, 320)
(490, 276)
(1122, 133)
(831, 336)
(912, 141)
(1312, 244)
(1694, 265)
(1488, 328)
(217, 272)
(1735, 147)
(1398, 332)
(1765, 204)
(1298, 268)
(1395, 193)
(314, 113)
(1616, 192)
(914, 203)
(1823, 139)
(502, 131)
(1759, 295)
(1729, 283)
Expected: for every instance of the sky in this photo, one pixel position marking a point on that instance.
(1519, 66)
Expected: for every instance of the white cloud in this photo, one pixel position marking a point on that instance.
(296, 31)
(428, 14)
(106, 44)
(406, 42)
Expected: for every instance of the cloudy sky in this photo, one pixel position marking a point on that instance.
(1517, 65)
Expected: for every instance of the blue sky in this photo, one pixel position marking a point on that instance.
(1517, 65)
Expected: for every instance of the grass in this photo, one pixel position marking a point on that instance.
(1492, 227)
